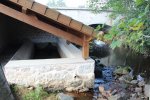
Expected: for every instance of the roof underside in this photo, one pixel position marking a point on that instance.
(48, 20)
(51, 16)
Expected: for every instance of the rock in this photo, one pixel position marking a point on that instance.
(139, 78)
(134, 82)
(114, 92)
(99, 95)
(121, 78)
(147, 90)
(122, 94)
(115, 97)
(133, 95)
(62, 96)
(69, 89)
(30, 88)
(95, 97)
(141, 83)
(101, 89)
(122, 70)
(84, 90)
(76, 83)
(126, 78)
(138, 89)
(102, 99)
(108, 93)
(132, 98)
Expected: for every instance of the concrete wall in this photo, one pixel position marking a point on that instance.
(25, 52)
(87, 17)
(68, 50)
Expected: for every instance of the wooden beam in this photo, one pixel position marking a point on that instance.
(24, 10)
(85, 48)
(39, 24)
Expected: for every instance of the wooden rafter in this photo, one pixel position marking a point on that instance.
(39, 24)
(55, 15)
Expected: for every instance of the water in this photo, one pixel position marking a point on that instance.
(103, 74)
(121, 56)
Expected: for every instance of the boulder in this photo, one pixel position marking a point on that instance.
(62, 96)
(147, 90)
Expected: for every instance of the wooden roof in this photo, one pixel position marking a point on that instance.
(49, 20)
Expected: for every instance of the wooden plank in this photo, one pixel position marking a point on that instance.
(87, 30)
(53, 14)
(76, 25)
(15, 1)
(39, 24)
(85, 48)
(39, 8)
(64, 19)
(24, 10)
(25, 3)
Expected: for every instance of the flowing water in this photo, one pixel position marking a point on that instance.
(139, 63)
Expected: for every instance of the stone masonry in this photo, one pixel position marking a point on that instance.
(53, 73)
(70, 72)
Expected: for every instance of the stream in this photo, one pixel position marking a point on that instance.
(104, 68)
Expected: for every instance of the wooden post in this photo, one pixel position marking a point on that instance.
(85, 48)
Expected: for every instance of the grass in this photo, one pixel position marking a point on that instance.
(37, 94)
(23, 93)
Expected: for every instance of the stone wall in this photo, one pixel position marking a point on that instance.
(70, 73)
(25, 52)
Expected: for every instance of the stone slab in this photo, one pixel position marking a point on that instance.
(55, 73)
(71, 72)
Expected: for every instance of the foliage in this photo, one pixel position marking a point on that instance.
(37, 94)
(13, 88)
(56, 3)
(132, 20)
(99, 35)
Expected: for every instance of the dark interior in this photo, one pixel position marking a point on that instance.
(45, 51)
(14, 33)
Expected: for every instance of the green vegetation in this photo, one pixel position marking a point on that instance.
(23, 93)
(37, 94)
(132, 23)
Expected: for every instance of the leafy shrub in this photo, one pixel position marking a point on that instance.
(132, 26)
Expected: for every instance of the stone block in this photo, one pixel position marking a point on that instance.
(147, 90)
(49, 73)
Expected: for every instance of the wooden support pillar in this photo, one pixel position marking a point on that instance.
(85, 48)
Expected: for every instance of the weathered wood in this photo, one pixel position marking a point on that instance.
(24, 10)
(37, 7)
(53, 14)
(85, 48)
(87, 30)
(39, 24)
(25, 3)
(64, 19)
(76, 25)
(56, 16)
(15, 1)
